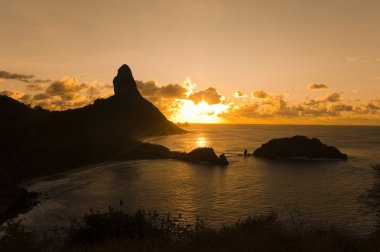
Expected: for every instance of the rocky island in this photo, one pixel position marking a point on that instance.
(298, 147)
(205, 155)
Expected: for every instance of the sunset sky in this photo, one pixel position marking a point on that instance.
(284, 61)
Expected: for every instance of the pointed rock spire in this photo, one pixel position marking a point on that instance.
(124, 84)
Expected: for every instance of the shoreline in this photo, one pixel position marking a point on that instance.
(29, 182)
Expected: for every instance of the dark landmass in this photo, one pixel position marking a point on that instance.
(298, 147)
(13, 199)
(37, 142)
(201, 155)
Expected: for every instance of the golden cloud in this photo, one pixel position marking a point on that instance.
(181, 101)
(317, 86)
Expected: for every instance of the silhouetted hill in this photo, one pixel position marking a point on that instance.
(126, 113)
(35, 142)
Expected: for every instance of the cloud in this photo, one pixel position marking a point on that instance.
(25, 98)
(151, 89)
(27, 78)
(15, 76)
(317, 86)
(61, 94)
(172, 91)
(274, 108)
(209, 95)
(373, 105)
(334, 97)
(41, 97)
(65, 86)
(341, 107)
(36, 87)
(163, 97)
(239, 94)
(171, 99)
(260, 94)
(68, 93)
(13, 94)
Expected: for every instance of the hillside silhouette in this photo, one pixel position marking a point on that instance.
(34, 141)
(37, 142)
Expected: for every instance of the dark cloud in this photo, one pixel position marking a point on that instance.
(36, 87)
(28, 78)
(260, 94)
(317, 86)
(151, 90)
(373, 105)
(15, 76)
(42, 96)
(342, 107)
(173, 91)
(334, 97)
(209, 95)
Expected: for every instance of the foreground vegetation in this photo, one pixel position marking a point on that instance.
(148, 231)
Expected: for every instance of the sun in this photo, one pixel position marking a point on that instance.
(202, 112)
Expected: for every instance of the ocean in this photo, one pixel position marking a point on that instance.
(317, 193)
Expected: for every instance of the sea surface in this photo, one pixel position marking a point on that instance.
(320, 193)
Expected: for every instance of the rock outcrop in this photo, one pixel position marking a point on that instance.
(298, 147)
(125, 85)
(205, 155)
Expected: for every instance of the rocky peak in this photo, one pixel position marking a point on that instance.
(124, 84)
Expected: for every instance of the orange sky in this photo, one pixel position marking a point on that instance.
(272, 51)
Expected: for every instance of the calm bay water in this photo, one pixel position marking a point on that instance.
(323, 192)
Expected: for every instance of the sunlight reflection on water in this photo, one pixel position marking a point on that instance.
(201, 142)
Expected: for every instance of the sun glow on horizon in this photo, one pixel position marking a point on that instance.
(202, 112)
(186, 110)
